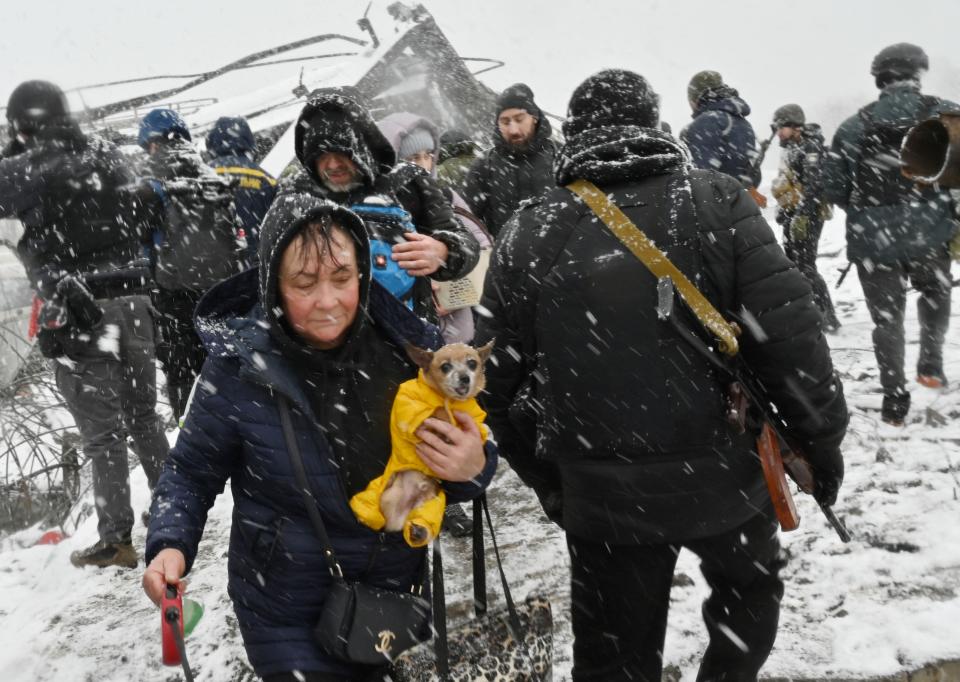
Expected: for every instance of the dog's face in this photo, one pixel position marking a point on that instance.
(455, 371)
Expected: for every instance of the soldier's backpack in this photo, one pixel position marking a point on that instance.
(878, 179)
(386, 225)
(199, 245)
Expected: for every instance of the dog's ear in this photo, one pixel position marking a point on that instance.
(485, 350)
(421, 356)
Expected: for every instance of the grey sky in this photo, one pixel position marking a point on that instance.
(816, 52)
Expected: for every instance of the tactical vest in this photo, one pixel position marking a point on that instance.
(89, 220)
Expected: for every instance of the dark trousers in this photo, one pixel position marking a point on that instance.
(620, 596)
(179, 349)
(111, 393)
(803, 252)
(885, 291)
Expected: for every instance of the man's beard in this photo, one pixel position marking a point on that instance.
(339, 188)
(521, 145)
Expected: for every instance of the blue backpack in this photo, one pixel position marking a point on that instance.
(385, 227)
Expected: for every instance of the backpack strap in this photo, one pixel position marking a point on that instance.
(657, 263)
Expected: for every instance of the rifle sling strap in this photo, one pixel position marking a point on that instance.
(657, 263)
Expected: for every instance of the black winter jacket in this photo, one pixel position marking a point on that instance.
(616, 422)
(503, 177)
(73, 195)
(913, 221)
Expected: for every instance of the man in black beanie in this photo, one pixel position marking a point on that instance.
(618, 425)
(520, 164)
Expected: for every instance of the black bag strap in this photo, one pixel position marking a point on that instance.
(479, 564)
(313, 511)
(441, 646)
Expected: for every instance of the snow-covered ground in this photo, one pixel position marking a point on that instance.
(887, 602)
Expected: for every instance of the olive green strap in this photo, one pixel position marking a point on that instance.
(657, 262)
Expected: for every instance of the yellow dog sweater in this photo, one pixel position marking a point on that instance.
(415, 402)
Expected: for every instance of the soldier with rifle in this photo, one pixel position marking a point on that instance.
(802, 210)
(619, 426)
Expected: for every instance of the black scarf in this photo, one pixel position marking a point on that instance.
(612, 154)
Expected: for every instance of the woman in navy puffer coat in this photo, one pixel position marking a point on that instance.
(263, 340)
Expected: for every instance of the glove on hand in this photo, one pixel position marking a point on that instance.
(84, 312)
(799, 228)
(827, 477)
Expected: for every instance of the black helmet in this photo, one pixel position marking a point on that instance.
(898, 62)
(34, 104)
(789, 115)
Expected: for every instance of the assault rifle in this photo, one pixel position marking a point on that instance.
(764, 146)
(779, 454)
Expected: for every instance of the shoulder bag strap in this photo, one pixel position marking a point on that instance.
(441, 646)
(313, 511)
(657, 262)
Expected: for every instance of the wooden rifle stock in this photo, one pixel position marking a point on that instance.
(798, 468)
(768, 447)
(778, 461)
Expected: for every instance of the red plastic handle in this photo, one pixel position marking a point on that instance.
(171, 605)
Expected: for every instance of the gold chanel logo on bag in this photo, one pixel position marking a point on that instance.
(386, 637)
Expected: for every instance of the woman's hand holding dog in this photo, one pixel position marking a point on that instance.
(454, 453)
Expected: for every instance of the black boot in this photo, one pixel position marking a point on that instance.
(456, 522)
(895, 408)
(103, 554)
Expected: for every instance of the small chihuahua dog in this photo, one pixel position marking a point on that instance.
(408, 497)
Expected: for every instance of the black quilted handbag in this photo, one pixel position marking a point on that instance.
(513, 643)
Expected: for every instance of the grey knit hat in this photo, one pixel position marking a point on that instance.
(419, 140)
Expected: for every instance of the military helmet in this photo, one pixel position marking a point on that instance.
(789, 115)
(903, 60)
(160, 125)
(34, 104)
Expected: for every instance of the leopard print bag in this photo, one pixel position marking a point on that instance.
(484, 650)
(512, 643)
